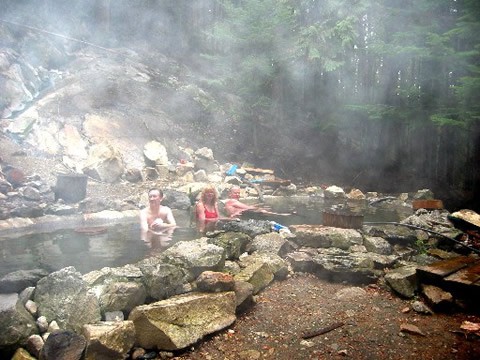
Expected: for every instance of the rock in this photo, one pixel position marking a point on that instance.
(412, 329)
(377, 245)
(155, 153)
(16, 323)
(423, 194)
(63, 344)
(212, 281)
(104, 163)
(114, 316)
(439, 299)
(356, 194)
(52, 327)
(272, 243)
(60, 295)
(181, 321)
(260, 270)
(350, 293)
(234, 243)
(197, 255)
(122, 296)
(244, 295)
(465, 219)
(421, 308)
(200, 175)
(42, 324)
(22, 354)
(31, 307)
(204, 153)
(403, 280)
(334, 192)
(21, 279)
(112, 338)
(302, 261)
(34, 345)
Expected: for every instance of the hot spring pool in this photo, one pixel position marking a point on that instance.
(120, 245)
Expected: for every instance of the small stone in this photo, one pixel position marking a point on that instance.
(34, 345)
(42, 324)
(53, 326)
(420, 307)
(412, 329)
(138, 353)
(31, 307)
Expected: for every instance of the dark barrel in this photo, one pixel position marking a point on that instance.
(71, 188)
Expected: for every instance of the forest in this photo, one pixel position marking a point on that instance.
(377, 94)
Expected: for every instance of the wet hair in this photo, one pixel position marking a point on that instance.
(208, 188)
(156, 189)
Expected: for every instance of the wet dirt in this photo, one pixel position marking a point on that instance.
(369, 321)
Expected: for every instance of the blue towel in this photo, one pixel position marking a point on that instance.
(232, 170)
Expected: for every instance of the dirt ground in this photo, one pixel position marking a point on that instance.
(369, 326)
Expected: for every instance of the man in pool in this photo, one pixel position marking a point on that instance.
(234, 207)
(156, 219)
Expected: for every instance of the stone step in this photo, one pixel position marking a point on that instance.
(460, 276)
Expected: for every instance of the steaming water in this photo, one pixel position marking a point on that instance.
(121, 245)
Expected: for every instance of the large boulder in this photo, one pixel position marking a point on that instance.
(234, 243)
(117, 289)
(319, 236)
(260, 270)
(104, 163)
(162, 279)
(198, 255)
(109, 340)
(181, 321)
(63, 296)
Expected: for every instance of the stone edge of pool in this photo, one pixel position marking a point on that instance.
(14, 227)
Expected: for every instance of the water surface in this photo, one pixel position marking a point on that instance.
(121, 245)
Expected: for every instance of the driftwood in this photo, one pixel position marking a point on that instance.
(321, 331)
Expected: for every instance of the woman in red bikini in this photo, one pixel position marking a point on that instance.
(206, 210)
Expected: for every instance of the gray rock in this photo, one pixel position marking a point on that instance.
(16, 323)
(61, 294)
(63, 344)
(260, 270)
(21, 279)
(403, 280)
(164, 280)
(197, 255)
(272, 243)
(109, 340)
(234, 243)
(377, 245)
(181, 321)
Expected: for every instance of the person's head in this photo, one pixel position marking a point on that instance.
(209, 195)
(235, 192)
(155, 196)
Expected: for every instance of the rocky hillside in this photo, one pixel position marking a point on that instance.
(61, 98)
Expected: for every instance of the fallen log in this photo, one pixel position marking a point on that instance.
(321, 331)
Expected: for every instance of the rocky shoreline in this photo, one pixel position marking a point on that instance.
(168, 302)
